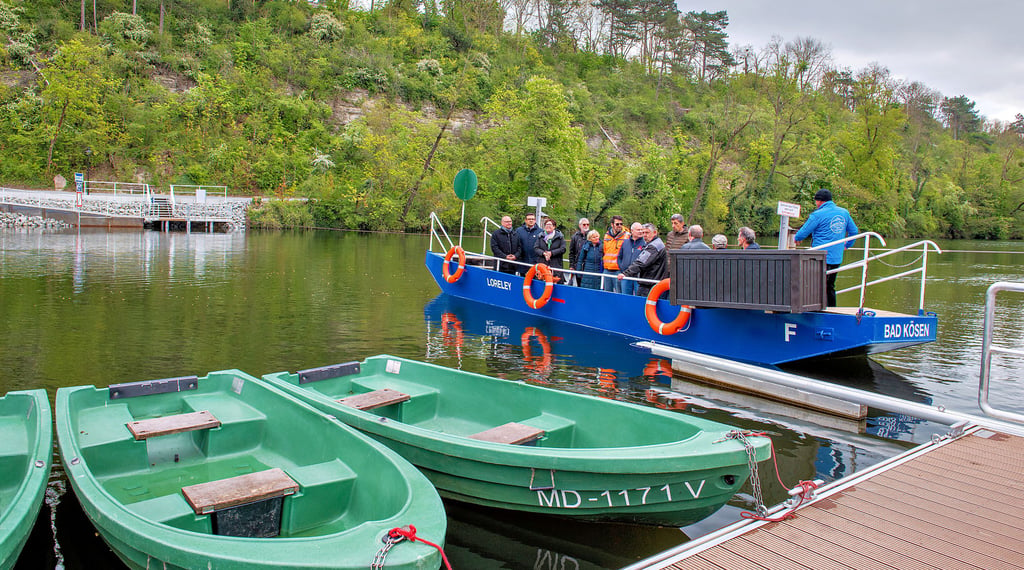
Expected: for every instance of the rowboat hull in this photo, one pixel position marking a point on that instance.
(747, 335)
(597, 460)
(26, 448)
(350, 490)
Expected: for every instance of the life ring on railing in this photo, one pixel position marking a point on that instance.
(448, 275)
(549, 285)
(651, 311)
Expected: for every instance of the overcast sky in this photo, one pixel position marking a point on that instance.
(973, 48)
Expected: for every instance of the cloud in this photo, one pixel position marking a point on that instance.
(973, 49)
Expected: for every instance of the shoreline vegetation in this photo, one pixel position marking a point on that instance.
(370, 109)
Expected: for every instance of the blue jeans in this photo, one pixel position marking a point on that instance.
(611, 283)
(629, 287)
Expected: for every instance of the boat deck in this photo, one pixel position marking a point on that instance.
(953, 504)
(854, 310)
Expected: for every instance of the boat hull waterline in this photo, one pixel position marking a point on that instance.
(596, 459)
(767, 338)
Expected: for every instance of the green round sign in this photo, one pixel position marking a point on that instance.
(465, 184)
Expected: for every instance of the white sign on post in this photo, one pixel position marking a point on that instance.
(789, 210)
(786, 210)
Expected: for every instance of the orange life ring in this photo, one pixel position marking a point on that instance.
(549, 285)
(651, 311)
(448, 275)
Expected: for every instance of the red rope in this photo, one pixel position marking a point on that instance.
(411, 536)
(805, 486)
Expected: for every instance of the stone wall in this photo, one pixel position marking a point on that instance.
(232, 210)
(30, 222)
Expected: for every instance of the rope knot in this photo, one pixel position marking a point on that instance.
(401, 533)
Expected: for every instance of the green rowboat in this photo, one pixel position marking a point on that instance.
(225, 471)
(26, 449)
(516, 446)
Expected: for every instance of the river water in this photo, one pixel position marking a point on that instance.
(102, 308)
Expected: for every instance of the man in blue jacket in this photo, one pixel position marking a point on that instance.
(828, 223)
(528, 234)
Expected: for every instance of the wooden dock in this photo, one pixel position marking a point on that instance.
(954, 503)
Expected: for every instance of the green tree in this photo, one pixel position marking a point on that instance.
(535, 150)
(960, 115)
(710, 56)
(76, 81)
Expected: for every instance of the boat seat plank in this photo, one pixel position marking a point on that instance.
(511, 433)
(249, 488)
(375, 399)
(153, 427)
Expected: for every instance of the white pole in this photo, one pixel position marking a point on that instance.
(462, 222)
(784, 232)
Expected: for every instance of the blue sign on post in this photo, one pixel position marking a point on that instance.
(79, 186)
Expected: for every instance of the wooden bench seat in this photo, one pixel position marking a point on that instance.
(144, 429)
(511, 433)
(375, 399)
(249, 488)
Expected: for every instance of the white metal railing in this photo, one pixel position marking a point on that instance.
(485, 221)
(116, 188)
(863, 263)
(438, 232)
(988, 349)
(202, 191)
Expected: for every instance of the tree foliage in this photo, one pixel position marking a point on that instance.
(607, 107)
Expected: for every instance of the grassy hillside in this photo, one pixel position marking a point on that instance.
(634, 109)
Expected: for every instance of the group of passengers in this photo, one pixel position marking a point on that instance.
(603, 261)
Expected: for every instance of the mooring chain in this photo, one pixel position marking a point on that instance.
(378, 558)
(755, 478)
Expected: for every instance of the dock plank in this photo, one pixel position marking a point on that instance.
(954, 505)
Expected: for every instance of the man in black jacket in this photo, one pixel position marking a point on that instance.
(505, 245)
(578, 240)
(652, 263)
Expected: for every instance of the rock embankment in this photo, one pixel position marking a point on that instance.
(30, 222)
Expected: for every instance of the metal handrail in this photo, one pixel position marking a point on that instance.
(435, 224)
(988, 349)
(863, 264)
(486, 220)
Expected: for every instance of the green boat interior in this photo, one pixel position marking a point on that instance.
(15, 445)
(148, 474)
(447, 401)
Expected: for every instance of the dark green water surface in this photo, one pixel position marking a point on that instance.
(103, 308)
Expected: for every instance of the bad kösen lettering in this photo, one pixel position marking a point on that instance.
(907, 330)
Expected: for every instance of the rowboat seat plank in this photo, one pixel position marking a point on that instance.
(153, 427)
(249, 488)
(511, 433)
(375, 399)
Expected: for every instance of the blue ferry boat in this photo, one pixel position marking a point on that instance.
(758, 336)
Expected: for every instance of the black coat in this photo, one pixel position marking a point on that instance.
(652, 263)
(506, 242)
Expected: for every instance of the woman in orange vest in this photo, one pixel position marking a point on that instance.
(612, 244)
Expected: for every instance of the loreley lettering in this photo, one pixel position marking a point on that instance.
(908, 330)
(499, 284)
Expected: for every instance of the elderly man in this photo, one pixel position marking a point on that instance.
(631, 249)
(577, 241)
(747, 239)
(505, 245)
(696, 234)
(828, 223)
(652, 263)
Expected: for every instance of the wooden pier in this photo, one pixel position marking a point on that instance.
(954, 503)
